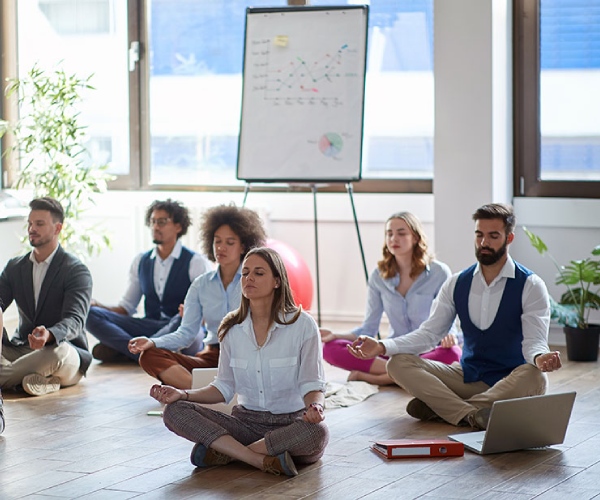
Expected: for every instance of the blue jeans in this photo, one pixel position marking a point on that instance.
(116, 330)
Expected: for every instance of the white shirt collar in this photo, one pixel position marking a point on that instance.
(507, 271)
(175, 253)
(48, 259)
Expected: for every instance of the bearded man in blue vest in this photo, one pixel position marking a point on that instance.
(161, 276)
(504, 312)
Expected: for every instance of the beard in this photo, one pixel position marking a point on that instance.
(488, 259)
(39, 241)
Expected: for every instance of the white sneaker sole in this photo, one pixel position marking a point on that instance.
(38, 385)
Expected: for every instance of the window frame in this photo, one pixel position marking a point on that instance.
(526, 112)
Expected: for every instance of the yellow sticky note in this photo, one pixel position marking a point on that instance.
(280, 40)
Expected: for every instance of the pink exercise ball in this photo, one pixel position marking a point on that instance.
(298, 273)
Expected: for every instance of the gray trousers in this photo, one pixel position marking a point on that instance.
(284, 432)
(443, 389)
(61, 361)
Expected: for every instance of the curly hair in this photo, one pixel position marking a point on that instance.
(178, 213)
(421, 257)
(283, 301)
(244, 222)
(500, 211)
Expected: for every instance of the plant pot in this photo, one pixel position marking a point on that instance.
(582, 343)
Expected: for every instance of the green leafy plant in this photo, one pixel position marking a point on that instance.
(54, 161)
(582, 279)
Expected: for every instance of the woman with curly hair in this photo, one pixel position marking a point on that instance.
(279, 419)
(228, 233)
(403, 286)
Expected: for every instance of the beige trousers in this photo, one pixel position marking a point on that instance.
(61, 361)
(443, 389)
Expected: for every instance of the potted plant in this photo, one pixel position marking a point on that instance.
(582, 279)
(50, 142)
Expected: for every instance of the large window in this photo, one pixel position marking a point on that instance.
(84, 37)
(168, 78)
(557, 102)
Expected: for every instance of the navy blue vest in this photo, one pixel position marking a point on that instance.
(176, 286)
(491, 354)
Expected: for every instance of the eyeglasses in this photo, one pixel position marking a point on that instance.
(163, 221)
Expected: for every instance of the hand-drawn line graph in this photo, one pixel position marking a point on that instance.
(285, 76)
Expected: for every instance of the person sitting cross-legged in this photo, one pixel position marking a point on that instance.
(504, 312)
(403, 286)
(52, 291)
(271, 357)
(161, 277)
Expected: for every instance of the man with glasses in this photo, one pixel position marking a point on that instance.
(161, 275)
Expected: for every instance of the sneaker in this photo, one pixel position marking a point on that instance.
(38, 385)
(419, 410)
(479, 419)
(207, 457)
(281, 464)
(107, 354)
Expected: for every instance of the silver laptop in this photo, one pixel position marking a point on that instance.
(518, 424)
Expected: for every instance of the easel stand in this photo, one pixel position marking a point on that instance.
(314, 188)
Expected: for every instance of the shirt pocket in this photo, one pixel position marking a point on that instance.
(283, 373)
(241, 376)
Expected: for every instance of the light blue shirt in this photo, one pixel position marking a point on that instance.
(405, 313)
(276, 376)
(206, 300)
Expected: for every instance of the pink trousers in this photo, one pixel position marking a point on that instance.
(336, 354)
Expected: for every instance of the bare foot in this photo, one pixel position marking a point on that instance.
(371, 378)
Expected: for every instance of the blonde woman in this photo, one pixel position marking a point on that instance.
(403, 286)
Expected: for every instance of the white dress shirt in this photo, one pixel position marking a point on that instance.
(484, 301)
(276, 376)
(162, 267)
(39, 273)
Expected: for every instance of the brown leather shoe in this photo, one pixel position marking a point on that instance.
(281, 464)
(479, 419)
(107, 354)
(417, 409)
(207, 457)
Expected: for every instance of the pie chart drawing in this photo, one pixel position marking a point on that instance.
(330, 144)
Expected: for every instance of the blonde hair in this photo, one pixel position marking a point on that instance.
(421, 257)
(283, 301)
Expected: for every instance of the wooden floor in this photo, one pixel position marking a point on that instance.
(96, 441)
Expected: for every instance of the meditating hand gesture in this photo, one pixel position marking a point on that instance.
(139, 344)
(167, 394)
(366, 348)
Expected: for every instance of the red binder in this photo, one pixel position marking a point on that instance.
(418, 448)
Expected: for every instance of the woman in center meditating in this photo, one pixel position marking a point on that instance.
(228, 232)
(403, 286)
(271, 357)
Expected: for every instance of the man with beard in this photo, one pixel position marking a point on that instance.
(504, 312)
(162, 276)
(52, 291)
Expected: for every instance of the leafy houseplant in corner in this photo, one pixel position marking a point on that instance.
(50, 143)
(582, 279)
